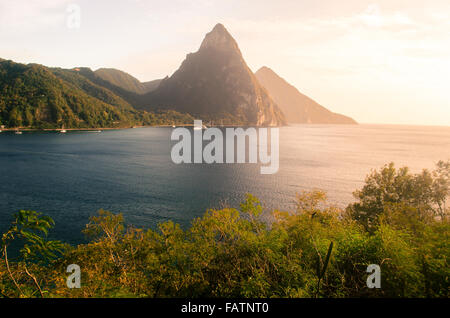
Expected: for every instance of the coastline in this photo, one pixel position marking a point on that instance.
(24, 129)
(81, 129)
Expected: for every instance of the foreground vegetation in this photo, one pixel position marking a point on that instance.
(400, 222)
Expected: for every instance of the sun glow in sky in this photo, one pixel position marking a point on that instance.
(385, 61)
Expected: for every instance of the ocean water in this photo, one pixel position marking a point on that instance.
(71, 176)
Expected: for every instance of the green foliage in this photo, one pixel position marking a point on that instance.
(315, 251)
(126, 81)
(32, 228)
(425, 192)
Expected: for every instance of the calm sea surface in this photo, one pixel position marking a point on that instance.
(71, 176)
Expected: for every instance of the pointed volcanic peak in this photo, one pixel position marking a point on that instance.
(220, 39)
(215, 84)
(297, 107)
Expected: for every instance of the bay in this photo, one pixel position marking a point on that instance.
(71, 176)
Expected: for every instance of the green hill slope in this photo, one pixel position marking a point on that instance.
(39, 97)
(126, 81)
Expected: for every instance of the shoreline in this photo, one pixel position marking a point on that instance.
(23, 129)
(81, 129)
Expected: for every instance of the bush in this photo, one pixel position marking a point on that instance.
(315, 251)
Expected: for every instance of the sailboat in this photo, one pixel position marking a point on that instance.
(63, 131)
(18, 132)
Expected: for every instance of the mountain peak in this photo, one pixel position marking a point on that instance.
(297, 107)
(219, 27)
(220, 39)
(265, 69)
(216, 84)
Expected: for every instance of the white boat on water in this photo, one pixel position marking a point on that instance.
(200, 128)
(63, 131)
(18, 132)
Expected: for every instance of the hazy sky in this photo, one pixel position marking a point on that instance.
(385, 61)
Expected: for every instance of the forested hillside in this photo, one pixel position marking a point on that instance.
(126, 81)
(35, 96)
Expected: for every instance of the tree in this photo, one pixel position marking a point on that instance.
(31, 228)
(15, 118)
(426, 192)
